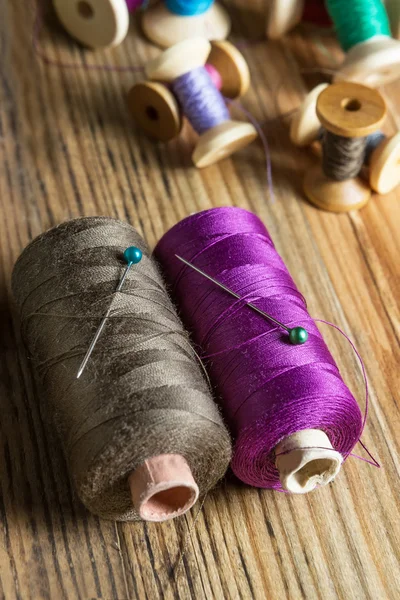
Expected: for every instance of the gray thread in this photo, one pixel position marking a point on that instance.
(343, 157)
(143, 393)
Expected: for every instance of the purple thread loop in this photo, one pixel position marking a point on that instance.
(201, 102)
(268, 388)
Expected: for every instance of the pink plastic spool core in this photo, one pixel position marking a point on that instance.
(163, 488)
(215, 76)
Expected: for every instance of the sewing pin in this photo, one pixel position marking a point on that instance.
(297, 335)
(132, 256)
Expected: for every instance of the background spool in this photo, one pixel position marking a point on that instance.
(169, 23)
(156, 110)
(372, 55)
(382, 154)
(284, 15)
(250, 365)
(96, 23)
(349, 112)
(316, 13)
(219, 136)
(393, 9)
(142, 410)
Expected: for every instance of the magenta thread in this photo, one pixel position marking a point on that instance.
(201, 102)
(268, 388)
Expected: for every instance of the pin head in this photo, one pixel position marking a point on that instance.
(132, 255)
(298, 335)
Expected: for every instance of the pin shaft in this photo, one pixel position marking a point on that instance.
(232, 293)
(101, 326)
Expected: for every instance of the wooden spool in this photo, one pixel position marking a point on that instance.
(384, 165)
(374, 62)
(383, 170)
(156, 110)
(282, 16)
(166, 29)
(94, 23)
(349, 110)
(305, 125)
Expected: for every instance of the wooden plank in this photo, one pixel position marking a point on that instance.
(68, 148)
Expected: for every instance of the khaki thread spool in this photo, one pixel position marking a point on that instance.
(170, 22)
(381, 161)
(349, 113)
(158, 109)
(141, 434)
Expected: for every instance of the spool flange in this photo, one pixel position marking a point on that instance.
(282, 16)
(166, 29)
(94, 23)
(374, 62)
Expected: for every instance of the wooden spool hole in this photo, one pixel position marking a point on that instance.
(85, 10)
(152, 113)
(351, 104)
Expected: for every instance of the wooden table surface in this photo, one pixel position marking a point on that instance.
(69, 148)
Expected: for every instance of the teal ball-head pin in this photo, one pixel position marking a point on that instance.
(133, 255)
(298, 335)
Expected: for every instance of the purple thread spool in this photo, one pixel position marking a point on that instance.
(269, 390)
(182, 67)
(201, 102)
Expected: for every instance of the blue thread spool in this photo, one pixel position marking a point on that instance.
(156, 107)
(170, 22)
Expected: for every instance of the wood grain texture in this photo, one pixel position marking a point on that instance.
(68, 148)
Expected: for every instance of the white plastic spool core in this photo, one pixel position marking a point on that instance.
(306, 460)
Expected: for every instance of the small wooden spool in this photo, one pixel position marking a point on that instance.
(282, 16)
(374, 62)
(94, 23)
(156, 110)
(166, 29)
(383, 170)
(349, 110)
(384, 165)
(305, 125)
